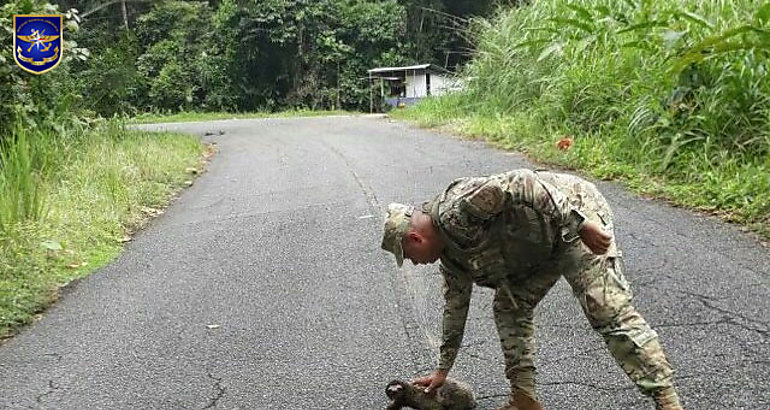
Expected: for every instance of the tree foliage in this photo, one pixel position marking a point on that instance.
(225, 55)
(44, 101)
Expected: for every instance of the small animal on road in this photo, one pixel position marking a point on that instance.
(452, 395)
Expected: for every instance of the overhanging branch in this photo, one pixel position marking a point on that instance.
(110, 3)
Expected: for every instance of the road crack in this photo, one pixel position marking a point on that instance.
(722, 321)
(371, 198)
(56, 356)
(730, 317)
(52, 387)
(219, 391)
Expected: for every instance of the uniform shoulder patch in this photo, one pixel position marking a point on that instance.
(485, 200)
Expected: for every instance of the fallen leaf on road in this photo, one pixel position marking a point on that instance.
(212, 326)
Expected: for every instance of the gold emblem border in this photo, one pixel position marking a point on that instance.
(61, 39)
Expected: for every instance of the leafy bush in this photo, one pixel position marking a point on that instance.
(241, 56)
(649, 89)
(41, 102)
(677, 72)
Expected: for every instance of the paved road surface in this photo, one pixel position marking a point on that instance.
(278, 245)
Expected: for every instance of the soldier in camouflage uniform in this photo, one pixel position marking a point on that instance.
(519, 232)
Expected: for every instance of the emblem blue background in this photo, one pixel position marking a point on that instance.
(24, 26)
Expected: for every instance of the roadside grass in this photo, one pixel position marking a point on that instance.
(152, 118)
(672, 97)
(737, 188)
(69, 202)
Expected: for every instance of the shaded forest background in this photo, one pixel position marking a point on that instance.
(134, 56)
(75, 182)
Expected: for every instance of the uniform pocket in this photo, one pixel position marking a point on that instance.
(606, 297)
(488, 267)
(615, 271)
(641, 337)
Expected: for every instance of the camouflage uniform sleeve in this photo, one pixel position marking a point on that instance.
(485, 200)
(457, 297)
(525, 188)
(468, 204)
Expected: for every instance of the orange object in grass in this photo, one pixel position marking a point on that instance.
(565, 143)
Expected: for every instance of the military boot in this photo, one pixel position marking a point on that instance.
(521, 401)
(667, 399)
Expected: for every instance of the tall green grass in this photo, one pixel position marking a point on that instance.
(68, 200)
(673, 96)
(20, 191)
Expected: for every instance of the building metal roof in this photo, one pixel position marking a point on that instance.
(405, 68)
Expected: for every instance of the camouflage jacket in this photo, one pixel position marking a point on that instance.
(497, 230)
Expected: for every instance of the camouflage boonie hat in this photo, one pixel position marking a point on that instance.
(396, 225)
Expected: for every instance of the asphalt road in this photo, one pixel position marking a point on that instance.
(263, 287)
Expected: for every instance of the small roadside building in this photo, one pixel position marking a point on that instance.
(401, 86)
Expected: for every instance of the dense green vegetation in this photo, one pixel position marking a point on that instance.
(232, 55)
(671, 95)
(68, 202)
(73, 185)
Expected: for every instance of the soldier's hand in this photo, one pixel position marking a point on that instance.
(592, 234)
(432, 381)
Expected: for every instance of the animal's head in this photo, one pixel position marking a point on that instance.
(395, 390)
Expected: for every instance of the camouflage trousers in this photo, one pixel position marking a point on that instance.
(599, 285)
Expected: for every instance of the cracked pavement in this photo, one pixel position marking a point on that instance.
(278, 246)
